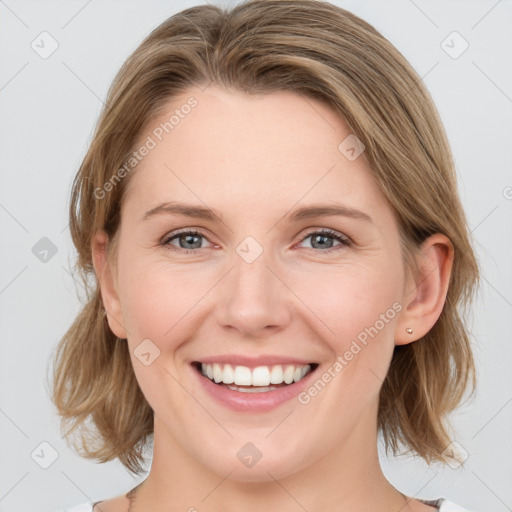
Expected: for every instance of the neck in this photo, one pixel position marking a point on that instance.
(348, 478)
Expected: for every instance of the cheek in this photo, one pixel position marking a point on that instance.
(157, 299)
(160, 300)
(361, 309)
(160, 304)
(360, 305)
(354, 299)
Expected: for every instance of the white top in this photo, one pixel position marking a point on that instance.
(442, 504)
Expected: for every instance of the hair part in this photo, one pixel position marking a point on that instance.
(325, 53)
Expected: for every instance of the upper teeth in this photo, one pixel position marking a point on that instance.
(259, 376)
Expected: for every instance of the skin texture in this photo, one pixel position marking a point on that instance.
(254, 159)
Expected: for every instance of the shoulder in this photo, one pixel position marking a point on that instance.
(84, 507)
(443, 505)
(448, 506)
(116, 504)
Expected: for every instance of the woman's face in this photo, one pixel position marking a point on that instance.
(260, 285)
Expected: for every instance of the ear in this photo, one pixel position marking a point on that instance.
(106, 280)
(425, 295)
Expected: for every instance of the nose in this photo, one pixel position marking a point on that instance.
(254, 300)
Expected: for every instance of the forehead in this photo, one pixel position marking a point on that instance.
(254, 150)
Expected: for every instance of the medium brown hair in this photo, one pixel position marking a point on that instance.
(325, 53)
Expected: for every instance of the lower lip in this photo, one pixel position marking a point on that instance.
(252, 402)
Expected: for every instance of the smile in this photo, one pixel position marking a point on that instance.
(258, 379)
(255, 388)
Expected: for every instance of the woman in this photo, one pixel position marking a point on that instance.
(276, 252)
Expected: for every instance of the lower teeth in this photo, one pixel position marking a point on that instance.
(258, 389)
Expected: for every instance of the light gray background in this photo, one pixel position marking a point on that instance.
(49, 107)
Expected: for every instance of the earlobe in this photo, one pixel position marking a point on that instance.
(106, 282)
(425, 294)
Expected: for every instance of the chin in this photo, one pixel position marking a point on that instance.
(264, 469)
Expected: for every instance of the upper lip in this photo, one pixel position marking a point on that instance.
(253, 362)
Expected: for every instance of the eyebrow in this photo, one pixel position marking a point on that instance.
(305, 212)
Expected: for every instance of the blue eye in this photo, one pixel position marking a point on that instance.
(190, 241)
(185, 237)
(319, 237)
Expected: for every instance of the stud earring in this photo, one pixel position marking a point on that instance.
(409, 330)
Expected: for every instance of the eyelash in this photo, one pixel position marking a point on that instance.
(344, 240)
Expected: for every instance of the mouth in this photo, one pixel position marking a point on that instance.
(259, 379)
